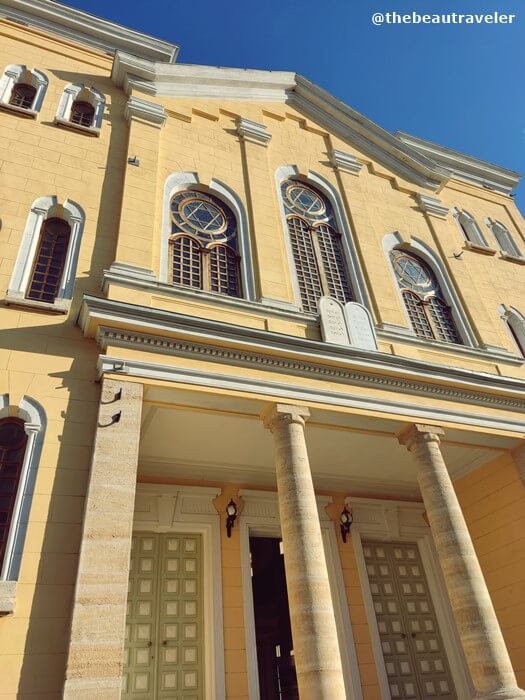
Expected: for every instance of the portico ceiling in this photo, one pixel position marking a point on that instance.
(212, 438)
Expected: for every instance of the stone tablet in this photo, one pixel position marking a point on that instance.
(333, 324)
(360, 327)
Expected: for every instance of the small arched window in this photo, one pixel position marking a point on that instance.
(515, 323)
(13, 441)
(505, 241)
(470, 229)
(316, 245)
(82, 113)
(203, 244)
(49, 261)
(429, 314)
(81, 106)
(22, 89)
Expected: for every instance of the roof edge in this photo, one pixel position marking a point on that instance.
(88, 29)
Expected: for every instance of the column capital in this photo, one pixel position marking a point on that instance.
(419, 433)
(282, 414)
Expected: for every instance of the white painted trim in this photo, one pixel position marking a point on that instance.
(253, 132)
(287, 172)
(14, 74)
(469, 228)
(86, 94)
(394, 521)
(396, 239)
(190, 509)
(432, 205)
(260, 517)
(42, 209)
(144, 109)
(33, 415)
(512, 318)
(504, 239)
(177, 182)
(87, 29)
(290, 392)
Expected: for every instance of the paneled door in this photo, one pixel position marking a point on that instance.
(415, 660)
(164, 625)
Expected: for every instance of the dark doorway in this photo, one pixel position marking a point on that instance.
(277, 678)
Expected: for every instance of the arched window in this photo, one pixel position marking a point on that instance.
(81, 106)
(203, 244)
(22, 89)
(505, 241)
(429, 314)
(45, 268)
(49, 261)
(515, 323)
(13, 441)
(316, 245)
(469, 228)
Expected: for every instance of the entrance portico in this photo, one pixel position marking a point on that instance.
(216, 439)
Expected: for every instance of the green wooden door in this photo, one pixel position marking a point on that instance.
(164, 626)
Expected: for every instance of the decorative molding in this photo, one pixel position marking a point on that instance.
(432, 205)
(132, 272)
(265, 504)
(253, 132)
(478, 248)
(346, 162)
(137, 108)
(512, 258)
(85, 28)
(464, 167)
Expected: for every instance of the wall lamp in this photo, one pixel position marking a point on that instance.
(346, 519)
(231, 516)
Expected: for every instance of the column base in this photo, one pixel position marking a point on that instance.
(503, 694)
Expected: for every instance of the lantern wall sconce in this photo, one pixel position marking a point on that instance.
(346, 520)
(231, 516)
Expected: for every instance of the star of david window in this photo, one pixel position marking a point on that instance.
(429, 314)
(203, 244)
(316, 245)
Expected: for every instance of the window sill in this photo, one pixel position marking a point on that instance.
(29, 113)
(66, 124)
(59, 306)
(7, 597)
(519, 259)
(478, 248)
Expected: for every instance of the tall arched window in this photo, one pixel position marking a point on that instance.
(50, 259)
(203, 244)
(505, 241)
(429, 314)
(469, 228)
(13, 441)
(316, 245)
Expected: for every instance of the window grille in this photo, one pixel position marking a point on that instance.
(316, 245)
(203, 245)
(23, 95)
(13, 440)
(49, 261)
(429, 314)
(82, 113)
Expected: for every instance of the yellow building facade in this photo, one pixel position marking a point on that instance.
(262, 364)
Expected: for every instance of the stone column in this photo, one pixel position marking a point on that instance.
(478, 627)
(316, 647)
(94, 667)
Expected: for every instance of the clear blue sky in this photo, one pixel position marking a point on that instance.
(460, 86)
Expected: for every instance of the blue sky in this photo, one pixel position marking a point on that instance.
(460, 86)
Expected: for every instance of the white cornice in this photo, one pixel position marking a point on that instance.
(253, 132)
(87, 29)
(431, 205)
(145, 110)
(174, 333)
(346, 162)
(464, 167)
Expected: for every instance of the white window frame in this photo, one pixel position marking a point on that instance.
(396, 240)
(42, 209)
(86, 94)
(504, 239)
(291, 172)
(512, 318)
(33, 415)
(14, 74)
(470, 230)
(178, 182)
(399, 521)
